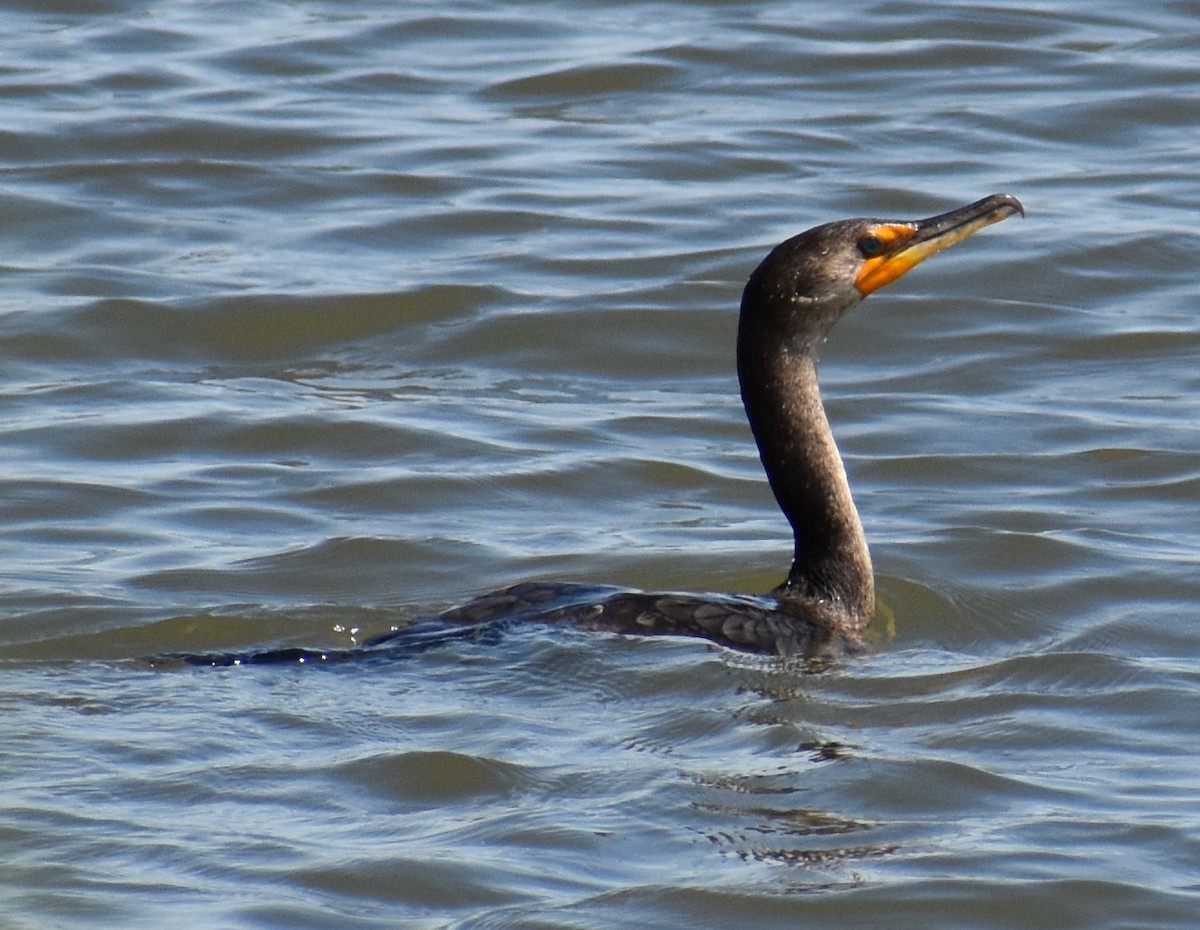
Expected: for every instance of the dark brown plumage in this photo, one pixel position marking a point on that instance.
(790, 304)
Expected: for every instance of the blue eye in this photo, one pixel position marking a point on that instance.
(870, 246)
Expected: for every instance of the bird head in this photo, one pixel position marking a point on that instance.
(807, 283)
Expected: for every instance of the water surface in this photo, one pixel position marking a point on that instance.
(320, 317)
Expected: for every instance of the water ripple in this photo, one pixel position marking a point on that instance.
(318, 318)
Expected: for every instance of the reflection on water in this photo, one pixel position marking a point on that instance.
(319, 318)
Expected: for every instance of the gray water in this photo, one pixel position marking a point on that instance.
(319, 317)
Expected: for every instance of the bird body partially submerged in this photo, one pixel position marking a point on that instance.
(791, 302)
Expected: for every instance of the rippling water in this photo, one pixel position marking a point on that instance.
(316, 317)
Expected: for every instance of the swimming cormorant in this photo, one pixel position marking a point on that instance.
(790, 304)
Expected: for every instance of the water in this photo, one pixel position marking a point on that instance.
(316, 317)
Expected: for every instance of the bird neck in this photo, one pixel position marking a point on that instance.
(805, 470)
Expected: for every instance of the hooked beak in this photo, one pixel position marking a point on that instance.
(908, 244)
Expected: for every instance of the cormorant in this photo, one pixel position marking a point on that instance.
(790, 303)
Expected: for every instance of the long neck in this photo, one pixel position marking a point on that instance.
(783, 404)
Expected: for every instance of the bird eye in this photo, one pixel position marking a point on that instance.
(870, 246)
